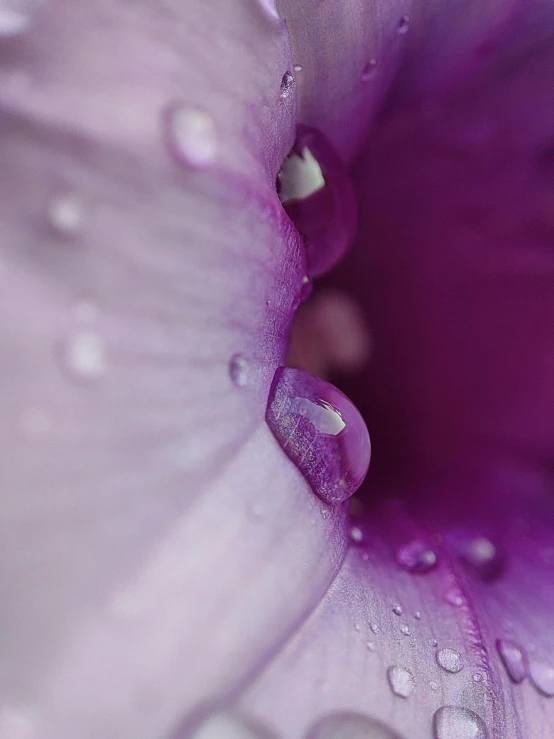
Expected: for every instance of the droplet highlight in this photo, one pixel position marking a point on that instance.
(83, 355)
(287, 84)
(317, 193)
(401, 681)
(454, 722)
(239, 370)
(321, 431)
(350, 725)
(542, 676)
(190, 135)
(416, 557)
(450, 660)
(514, 659)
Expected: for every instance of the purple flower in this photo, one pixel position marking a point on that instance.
(174, 548)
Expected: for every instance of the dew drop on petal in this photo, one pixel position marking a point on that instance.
(356, 534)
(17, 16)
(433, 642)
(65, 213)
(542, 676)
(287, 84)
(401, 681)
(225, 724)
(405, 630)
(477, 677)
(370, 69)
(350, 725)
(416, 557)
(370, 646)
(397, 609)
(83, 355)
(316, 191)
(450, 660)
(403, 25)
(239, 370)
(481, 556)
(306, 288)
(374, 628)
(454, 597)
(297, 67)
(190, 135)
(433, 685)
(514, 659)
(417, 615)
(321, 431)
(454, 722)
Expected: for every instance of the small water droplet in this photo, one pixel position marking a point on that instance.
(356, 534)
(228, 724)
(397, 609)
(416, 557)
(417, 615)
(357, 627)
(401, 681)
(542, 676)
(514, 659)
(405, 630)
(306, 288)
(374, 628)
(349, 725)
(433, 642)
(239, 370)
(65, 213)
(321, 431)
(403, 25)
(297, 67)
(433, 685)
(370, 69)
(287, 84)
(17, 16)
(454, 722)
(481, 556)
(477, 677)
(370, 646)
(450, 660)
(454, 597)
(83, 355)
(316, 191)
(190, 135)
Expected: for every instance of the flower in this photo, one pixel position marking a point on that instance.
(161, 554)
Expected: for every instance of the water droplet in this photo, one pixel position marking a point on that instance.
(83, 356)
(477, 677)
(369, 70)
(416, 557)
(350, 725)
(357, 627)
(370, 646)
(450, 660)
(405, 630)
(287, 84)
(65, 213)
(433, 642)
(226, 724)
(514, 659)
(433, 685)
(321, 431)
(374, 628)
(417, 615)
(481, 556)
(397, 609)
(306, 288)
(317, 193)
(403, 25)
(401, 681)
(356, 534)
(454, 722)
(297, 67)
(190, 135)
(17, 16)
(542, 676)
(239, 370)
(454, 597)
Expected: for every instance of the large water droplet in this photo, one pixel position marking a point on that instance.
(287, 84)
(239, 370)
(225, 725)
(401, 681)
(542, 676)
(190, 135)
(321, 431)
(450, 660)
(316, 192)
(454, 722)
(416, 557)
(482, 557)
(65, 213)
(83, 355)
(514, 659)
(17, 16)
(403, 25)
(350, 725)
